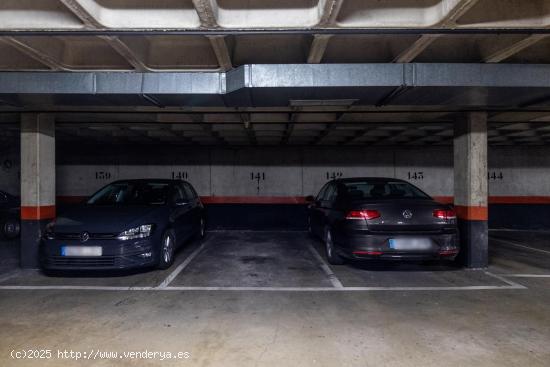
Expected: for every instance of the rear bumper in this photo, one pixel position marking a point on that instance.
(444, 246)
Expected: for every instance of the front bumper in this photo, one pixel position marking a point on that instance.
(376, 246)
(116, 255)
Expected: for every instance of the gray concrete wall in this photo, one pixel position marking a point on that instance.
(289, 171)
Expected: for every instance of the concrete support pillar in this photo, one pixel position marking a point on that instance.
(470, 187)
(37, 182)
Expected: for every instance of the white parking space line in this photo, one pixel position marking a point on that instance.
(522, 246)
(9, 275)
(181, 266)
(507, 281)
(262, 289)
(328, 271)
(73, 287)
(345, 289)
(525, 275)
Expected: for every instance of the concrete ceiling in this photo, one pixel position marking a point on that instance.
(105, 34)
(279, 128)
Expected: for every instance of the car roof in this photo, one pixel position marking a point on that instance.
(145, 180)
(370, 179)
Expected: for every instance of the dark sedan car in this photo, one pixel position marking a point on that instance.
(382, 218)
(9, 216)
(127, 224)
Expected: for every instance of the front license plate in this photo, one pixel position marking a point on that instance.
(410, 243)
(81, 251)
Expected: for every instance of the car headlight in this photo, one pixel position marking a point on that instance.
(142, 231)
(49, 233)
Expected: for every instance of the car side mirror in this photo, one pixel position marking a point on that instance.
(181, 202)
(310, 199)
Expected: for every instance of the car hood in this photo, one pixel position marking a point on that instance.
(105, 219)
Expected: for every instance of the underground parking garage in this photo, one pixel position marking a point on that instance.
(236, 183)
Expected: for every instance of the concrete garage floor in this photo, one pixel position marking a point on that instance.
(270, 299)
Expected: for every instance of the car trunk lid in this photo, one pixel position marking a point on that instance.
(407, 215)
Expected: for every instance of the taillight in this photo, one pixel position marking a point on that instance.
(363, 214)
(445, 214)
(374, 253)
(448, 252)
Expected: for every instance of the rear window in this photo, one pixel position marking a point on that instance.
(382, 190)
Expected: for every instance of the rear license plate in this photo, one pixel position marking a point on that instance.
(410, 243)
(81, 251)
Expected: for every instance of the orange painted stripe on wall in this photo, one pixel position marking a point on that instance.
(38, 212)
(253, 199)
(472, 212)
(519, 199)
(502, 199)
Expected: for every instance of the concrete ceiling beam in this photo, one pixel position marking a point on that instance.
(326, 132)
(248, 127)
(221, 51)
(454, 10)
(514, 48)
(289, 128)
(318, 48)
(206, 10)
(35, 54)
(358, 135)
(412, 52)
(123, 50)
(116, 44)
(81, 13)
(328, 12)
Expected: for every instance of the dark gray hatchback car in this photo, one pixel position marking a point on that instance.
(382, 218)
(127, 224)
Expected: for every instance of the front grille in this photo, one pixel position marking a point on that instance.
(93, 261)
(93, 236)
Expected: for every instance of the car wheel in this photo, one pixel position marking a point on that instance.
(10, 228)
(202, 229)
(167, 250)
(309, 228)
(332, 256)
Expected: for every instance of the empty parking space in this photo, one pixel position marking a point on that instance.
(254, 259)
(520, 253)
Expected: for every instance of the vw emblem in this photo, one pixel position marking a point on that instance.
(84, 236)
(407, 214)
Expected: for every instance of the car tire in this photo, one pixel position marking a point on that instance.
(167, 250)
(202, 229)
(332, 257)
(309, 228)
(10, 228)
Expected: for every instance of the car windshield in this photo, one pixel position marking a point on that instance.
(131, 193)
(359, 190)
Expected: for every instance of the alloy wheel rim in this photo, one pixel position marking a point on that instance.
(167, 253)
(10, 228)
(329, 244)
